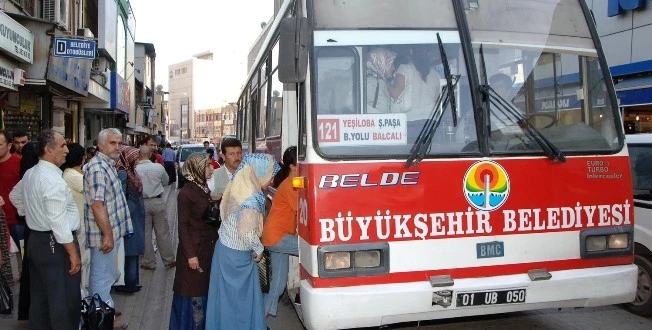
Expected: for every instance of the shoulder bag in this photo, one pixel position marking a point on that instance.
(6, 297)
(212, 214)
(96, 314)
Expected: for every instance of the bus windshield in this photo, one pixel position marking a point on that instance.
(539, 58)
(379, 75)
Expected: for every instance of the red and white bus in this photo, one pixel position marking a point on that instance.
(463, 193)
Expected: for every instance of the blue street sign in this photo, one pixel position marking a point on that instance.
(74, 48)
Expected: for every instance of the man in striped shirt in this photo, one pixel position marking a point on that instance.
(106, 214)
(45, 200)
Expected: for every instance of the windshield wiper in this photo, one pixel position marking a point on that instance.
(424, 140)
(490, 96)
(449, 80)
(485, 98)
(508, 110)
(447, 95)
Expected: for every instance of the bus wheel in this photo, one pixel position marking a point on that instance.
(642, 304)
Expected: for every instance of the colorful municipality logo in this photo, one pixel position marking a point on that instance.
(486, 185)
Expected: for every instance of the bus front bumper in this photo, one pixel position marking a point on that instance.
(377, 305)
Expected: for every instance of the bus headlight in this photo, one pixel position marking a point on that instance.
(367, 259)
(596, 243)
(353, 259)
(618, 241)
(606, 242)
(337, 260)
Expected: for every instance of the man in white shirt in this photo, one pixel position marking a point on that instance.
(154, 178)
(45, 200)
(232, 151)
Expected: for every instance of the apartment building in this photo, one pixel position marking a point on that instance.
(76, 93)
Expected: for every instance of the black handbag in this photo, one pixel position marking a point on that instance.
(265, 271)
(96, 314)
(212, 214)
(6, 297)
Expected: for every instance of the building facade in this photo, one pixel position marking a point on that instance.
(228, 119)
(161, 104)
(208, 125)
(212, 124)
(625, 27)
(190, 91)
(147, 118)
(180, 101)
(43, 86)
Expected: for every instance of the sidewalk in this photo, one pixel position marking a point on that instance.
(148, 309)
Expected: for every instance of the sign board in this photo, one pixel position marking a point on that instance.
(16, 40)
(71, 73)
(120, 93)
(19, 77)
(7, 74)
(74, 48)
(362, 129)
(617, 7)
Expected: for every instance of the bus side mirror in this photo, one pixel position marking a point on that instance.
(293, 54)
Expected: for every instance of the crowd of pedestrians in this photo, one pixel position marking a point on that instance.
(86, 217)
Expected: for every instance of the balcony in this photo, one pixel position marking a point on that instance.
(26, 5)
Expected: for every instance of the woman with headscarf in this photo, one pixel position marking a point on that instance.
(234, 296)
(196, 244)
(74, 177)
(415, 88)
(380, 69)
(134, 244)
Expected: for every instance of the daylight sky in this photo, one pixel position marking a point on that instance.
(180, 29)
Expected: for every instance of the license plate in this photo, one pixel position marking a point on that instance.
(481, 298)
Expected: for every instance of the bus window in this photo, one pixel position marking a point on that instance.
(276, 107)
(399, 89)
(544, 71)
(336, 80)
(261, 118)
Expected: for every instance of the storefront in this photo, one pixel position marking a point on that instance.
(635, 97)
(97, 107)
(53, 86)
(624, 28)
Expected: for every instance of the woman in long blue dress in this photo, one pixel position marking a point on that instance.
(235, 300)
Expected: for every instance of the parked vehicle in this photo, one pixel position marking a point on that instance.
(640, 156)
(182, 154)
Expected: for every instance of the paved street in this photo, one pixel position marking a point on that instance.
(607, 317)
(149, 309)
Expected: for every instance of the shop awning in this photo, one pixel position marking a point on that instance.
(635, 91)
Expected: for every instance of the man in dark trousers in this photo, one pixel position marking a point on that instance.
(54, 264)
(168, 162)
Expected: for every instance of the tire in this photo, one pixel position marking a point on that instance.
(642, 304)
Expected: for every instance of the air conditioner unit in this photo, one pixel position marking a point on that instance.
(57, 12)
